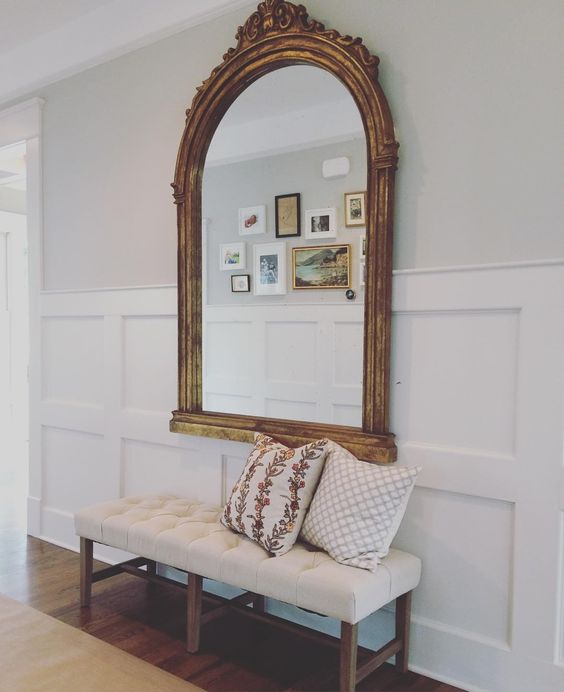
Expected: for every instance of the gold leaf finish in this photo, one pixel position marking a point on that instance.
(276, 35)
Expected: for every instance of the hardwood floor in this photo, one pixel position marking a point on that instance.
(148, 621)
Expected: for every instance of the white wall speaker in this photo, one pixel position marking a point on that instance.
(336, 168)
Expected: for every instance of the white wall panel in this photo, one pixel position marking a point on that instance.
(291, 352)
(345, 414)
(454, 379)
(465, 543)
(347, 349)
(72, 359)
(150, 468)
(228, 403)
(229, 349)
(292, 410)
(150, 372)
(76, 470)
(232, 469)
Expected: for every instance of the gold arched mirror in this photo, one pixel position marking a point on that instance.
(280, 145)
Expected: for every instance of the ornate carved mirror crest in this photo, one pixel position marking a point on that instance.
(280, 34)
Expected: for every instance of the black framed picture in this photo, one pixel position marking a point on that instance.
(288, 215)
(240, 283)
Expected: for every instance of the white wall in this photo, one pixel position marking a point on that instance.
(472, 90)
(477, 393)
(12, 201)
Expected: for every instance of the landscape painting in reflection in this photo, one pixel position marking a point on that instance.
(322, 267)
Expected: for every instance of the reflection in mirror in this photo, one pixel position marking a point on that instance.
(283, 240)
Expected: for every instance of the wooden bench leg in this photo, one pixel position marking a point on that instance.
(403, 616)
(86, 563)
(349, 641)
(259, 603)
(194, 613)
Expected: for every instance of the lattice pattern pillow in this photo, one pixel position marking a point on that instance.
(357, 508)
(270, 500)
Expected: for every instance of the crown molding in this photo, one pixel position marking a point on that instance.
(103, 34)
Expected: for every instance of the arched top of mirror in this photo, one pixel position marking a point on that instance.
(279, 35)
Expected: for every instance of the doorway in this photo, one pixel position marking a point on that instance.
(14, 337)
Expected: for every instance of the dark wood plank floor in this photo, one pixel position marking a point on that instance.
(148, 621)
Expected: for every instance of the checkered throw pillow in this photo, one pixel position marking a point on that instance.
(357, 508)
(270, 500)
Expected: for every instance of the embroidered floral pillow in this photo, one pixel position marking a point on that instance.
(270, 500)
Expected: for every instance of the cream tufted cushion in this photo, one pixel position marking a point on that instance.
(188, 535)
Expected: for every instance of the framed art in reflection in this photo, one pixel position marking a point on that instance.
(355, 209)
(252, 220)
(232, 256)
(320, 224)
(323, 266)
(288, 215)
(240, 283)
(269, 269)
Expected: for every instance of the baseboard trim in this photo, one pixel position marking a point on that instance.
(34, 516)
(446, 679)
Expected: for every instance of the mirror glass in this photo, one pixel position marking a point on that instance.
(283, 209)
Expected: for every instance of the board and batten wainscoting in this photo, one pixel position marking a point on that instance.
(477, 380)
(302, 362)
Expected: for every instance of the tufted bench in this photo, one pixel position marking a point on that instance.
(187, 535)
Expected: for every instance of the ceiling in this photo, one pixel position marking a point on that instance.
(42, 41)
(290, 109)
(290, 89)
(25, 20)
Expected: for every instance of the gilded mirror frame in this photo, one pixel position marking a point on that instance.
(276, 35)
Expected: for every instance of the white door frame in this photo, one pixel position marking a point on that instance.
(18, 123)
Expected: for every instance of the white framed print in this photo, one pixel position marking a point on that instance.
(232, 256)
(269, 269)
(252, 220)
(320, 224)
